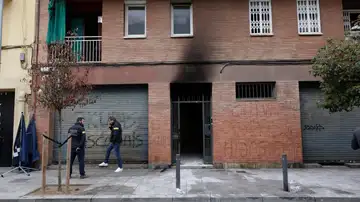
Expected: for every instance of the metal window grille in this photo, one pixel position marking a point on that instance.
(260, 17)
(347, 21)
(255, 90)
(308, 16)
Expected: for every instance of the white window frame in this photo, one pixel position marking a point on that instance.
(349, 11)
(191, 21)
(127, 35)
(270, 19)
(307, 8)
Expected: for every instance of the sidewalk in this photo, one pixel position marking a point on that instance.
(322, 184)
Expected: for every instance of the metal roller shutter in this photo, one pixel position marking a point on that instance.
(326, 137)
(129, 104)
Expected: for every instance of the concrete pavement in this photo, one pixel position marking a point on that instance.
(265, 185)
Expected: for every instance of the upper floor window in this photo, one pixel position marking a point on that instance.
(308, 12)
(181, 19)
(350, 18)
(135, 18)
(260, 17)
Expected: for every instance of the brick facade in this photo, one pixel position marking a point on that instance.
(44, 124)
(243, 132)
(256, 131)
(220, 27)
(159, 123)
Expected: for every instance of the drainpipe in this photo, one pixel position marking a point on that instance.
(1, 24)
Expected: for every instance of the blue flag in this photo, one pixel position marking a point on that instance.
(33, 146)
(17, 146)
(24, 148)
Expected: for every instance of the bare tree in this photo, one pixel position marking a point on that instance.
(60, 83)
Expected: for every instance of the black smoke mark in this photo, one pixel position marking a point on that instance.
(195, 55)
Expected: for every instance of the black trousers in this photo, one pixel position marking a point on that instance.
(81, 158)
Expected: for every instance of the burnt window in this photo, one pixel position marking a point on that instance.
(255, 90)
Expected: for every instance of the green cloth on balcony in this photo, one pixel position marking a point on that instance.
(57, 21)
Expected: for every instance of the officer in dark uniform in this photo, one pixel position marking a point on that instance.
(77, 132)
(115, 141)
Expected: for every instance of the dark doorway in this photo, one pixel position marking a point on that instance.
(191, 122)
(191, 139)
(6, 127)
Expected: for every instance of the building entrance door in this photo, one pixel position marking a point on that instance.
(6, 127)
(192, 128)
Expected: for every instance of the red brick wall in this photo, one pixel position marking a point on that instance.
(44, 124)
(159, 123)
(257, 131)
(223, 26)
(221, 29)
(44, 20)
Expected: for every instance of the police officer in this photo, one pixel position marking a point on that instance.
(77, 132)
(115, 141)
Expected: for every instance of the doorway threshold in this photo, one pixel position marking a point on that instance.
(202, 166)
(193, 162)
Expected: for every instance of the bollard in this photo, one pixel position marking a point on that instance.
(177, 171)
(285, 172)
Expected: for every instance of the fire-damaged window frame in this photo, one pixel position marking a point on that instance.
(260, 18)
(307, 21)
(255, 90)
(188, 3)
(131, 4)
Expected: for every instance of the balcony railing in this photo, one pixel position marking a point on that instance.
(87, 49)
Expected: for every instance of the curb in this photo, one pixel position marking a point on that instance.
(186, 198)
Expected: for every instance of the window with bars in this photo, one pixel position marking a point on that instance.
(308, 12)
(255, 90)
(350, 17)
(260, 17)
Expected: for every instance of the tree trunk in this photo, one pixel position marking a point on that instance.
(59, 154)
(44, 164)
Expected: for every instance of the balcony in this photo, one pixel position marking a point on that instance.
(351, 16)
(78, 26)
(86, 48)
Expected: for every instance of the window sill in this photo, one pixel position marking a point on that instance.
(182, 35)
(262, 35)
(255, 99)
(135, 37)
(311, 34)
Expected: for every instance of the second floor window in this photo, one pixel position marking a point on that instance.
(135, 20)
(181, 20)
(350, 17)
(260, 17)
(308, 12)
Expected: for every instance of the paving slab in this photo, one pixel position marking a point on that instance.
(327, 184)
